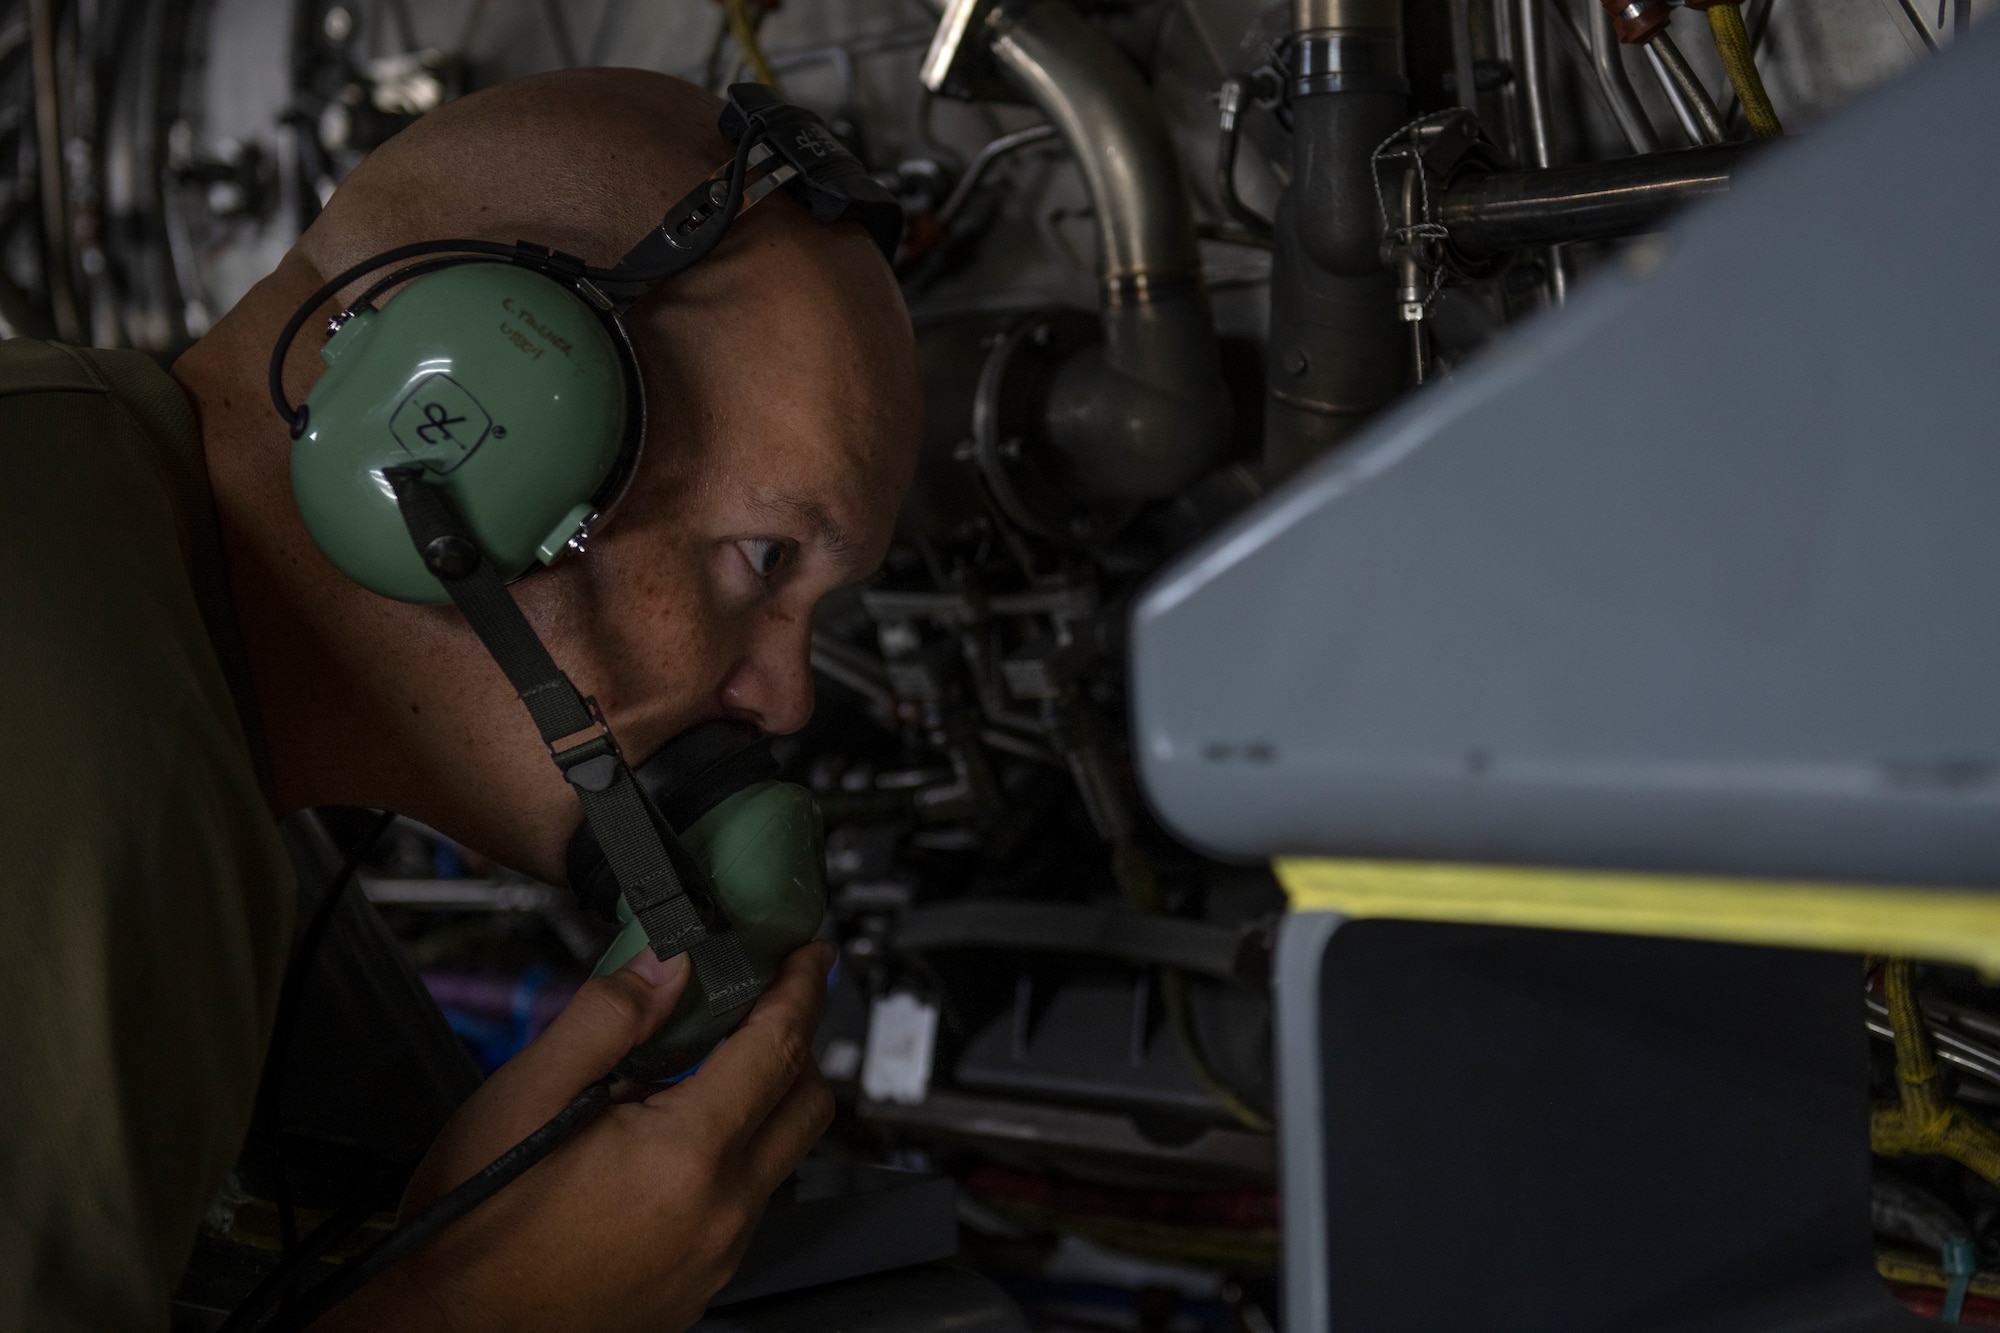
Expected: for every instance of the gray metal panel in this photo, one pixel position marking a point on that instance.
(1573, 608)
(1302, 1168)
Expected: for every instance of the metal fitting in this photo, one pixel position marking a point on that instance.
(1638, 21)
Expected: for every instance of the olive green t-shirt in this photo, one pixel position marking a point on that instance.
(145, 898)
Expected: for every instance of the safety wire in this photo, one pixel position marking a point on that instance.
(743, 25)
(1732, 42)
(1423, 234)
(1133, 870)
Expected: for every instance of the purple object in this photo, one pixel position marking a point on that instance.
(496, 1014)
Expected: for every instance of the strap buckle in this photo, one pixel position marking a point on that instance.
(591, 764)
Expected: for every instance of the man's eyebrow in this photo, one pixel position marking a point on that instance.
(833, 538)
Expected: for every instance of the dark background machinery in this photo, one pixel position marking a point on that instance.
(1162, 254)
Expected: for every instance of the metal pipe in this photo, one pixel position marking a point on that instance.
(1334, 355)
(1092, 94)
(1461, 55)
(1708, 121)
(48, 149)
(1584, 201)
(1626, 108)
(1916, 25)
(1533, 65)
(1144, 414)
(1675, 97)
(994, 150)
(1229, 109)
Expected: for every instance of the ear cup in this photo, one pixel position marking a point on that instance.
(515, 396)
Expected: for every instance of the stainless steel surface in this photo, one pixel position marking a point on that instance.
(1347, 60)
(1609, 63)
(1091, 93)
(1318, 15)
(1917, 25)
(1229, 107)
(954, 27)
(1672, 92)
(1708, 121)
(1144, 413)
(1960, 1052)
(1461, 55)
(1583, 201)
(1531, 61)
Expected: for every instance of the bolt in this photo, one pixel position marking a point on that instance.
(1295, 361)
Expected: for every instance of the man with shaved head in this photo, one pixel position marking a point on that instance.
(183, 666)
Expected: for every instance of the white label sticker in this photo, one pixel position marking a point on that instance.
(897, 1066)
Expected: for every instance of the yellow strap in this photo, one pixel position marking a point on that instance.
(1946, 925)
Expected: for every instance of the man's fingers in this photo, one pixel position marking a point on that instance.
(790, 1132)
(601, 1023)
(745, 1077)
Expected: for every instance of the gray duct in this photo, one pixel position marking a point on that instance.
(1336, 352)
(1144, 413)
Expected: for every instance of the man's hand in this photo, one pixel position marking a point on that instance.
(641, 1218)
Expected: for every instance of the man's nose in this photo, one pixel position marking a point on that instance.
(773, 682)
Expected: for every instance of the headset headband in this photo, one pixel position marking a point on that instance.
(776, 144)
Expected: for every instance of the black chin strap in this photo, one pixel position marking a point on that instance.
(663, 885)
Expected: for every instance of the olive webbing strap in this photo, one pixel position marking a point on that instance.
(655, 882)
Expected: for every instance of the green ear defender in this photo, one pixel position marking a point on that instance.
(764, 854)
(517, 397)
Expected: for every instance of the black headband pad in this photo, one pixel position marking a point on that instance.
(832, 183)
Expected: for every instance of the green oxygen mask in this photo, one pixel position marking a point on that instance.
(754, 847)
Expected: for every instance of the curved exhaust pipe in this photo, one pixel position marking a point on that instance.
(1143, 414)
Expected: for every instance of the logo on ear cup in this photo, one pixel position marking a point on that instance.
(439, 423)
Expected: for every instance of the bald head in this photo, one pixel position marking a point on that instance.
(782, 419)
(581, 160)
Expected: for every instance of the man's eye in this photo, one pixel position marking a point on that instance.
(763, 554)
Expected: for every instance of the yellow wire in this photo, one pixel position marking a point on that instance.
(1924, 1120)
(1732, 40)
(743, 27)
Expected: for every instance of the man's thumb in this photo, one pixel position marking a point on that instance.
(604, 1020)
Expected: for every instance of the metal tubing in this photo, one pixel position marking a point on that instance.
(1708, 120)
(1144, 414)
(1917, 25)
(1585, 201)
(48, 144)
(995, 149)
(1611, 76)
(1093, 95)
(1675, 97)
(1533, 65)
(1335, 354)
(1461, 55)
